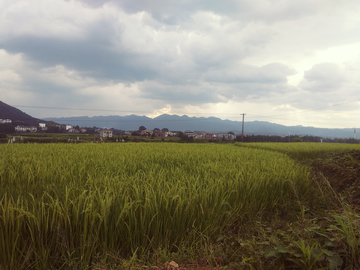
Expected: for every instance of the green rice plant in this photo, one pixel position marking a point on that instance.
(347, 226)
(303, 151)
(72, 205)
(309, 256)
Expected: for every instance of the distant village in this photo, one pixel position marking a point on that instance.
(52, 127)
(7, 126)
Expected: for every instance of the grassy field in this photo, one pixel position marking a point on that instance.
(114, 206)
(82, 138)
(303, 151)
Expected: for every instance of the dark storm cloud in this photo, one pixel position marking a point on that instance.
(42, 86)
(273, 73)
(89, 57)
(250, 83)
(101, 53)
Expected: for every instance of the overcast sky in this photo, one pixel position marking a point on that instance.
(283, 61)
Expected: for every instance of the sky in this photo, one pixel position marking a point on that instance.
(281, 61)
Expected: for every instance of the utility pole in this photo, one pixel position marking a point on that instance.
(242, 134)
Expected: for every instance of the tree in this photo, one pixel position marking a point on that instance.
(185, 138)
(232, 133)
(51, 124)
(156, 129)
(53, 129)
(90, 130)
(7, 128)
(141, 128)
(165, 130)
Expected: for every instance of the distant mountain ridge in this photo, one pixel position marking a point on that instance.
(177, 123)
(10, 112)
(209, 124)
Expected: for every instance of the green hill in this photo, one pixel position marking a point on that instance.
(9, 112)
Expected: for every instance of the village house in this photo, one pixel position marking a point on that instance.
(174, 133)
(22, 128)
(73, 130)
(169, 133)
(146, 132)
(106, 133)
(226, 136)
(42, 126)
(199, 134)
(5, 121)
(210, 136)
(33, 129)
(189, 133)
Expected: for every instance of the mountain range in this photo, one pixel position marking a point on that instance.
(177, 123)
(209, 124)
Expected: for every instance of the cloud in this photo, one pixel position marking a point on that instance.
(148, 55)
(171, 12)
(92, 60)
(243, 83)
(323, 77)
(129, 48)
(175, 12)
(181, 94)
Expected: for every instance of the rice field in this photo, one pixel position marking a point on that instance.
(67, 206)
(303, 150)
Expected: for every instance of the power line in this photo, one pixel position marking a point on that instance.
(147, 112)
(102, 110)
(76, 109)
(310, 122)
(154, 120)
(165, 120)
(123, 121)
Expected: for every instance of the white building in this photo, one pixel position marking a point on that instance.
(21, 128)
(189, 133)
(106, 133)
(5, 121)
(42, 126)
(226, 136)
